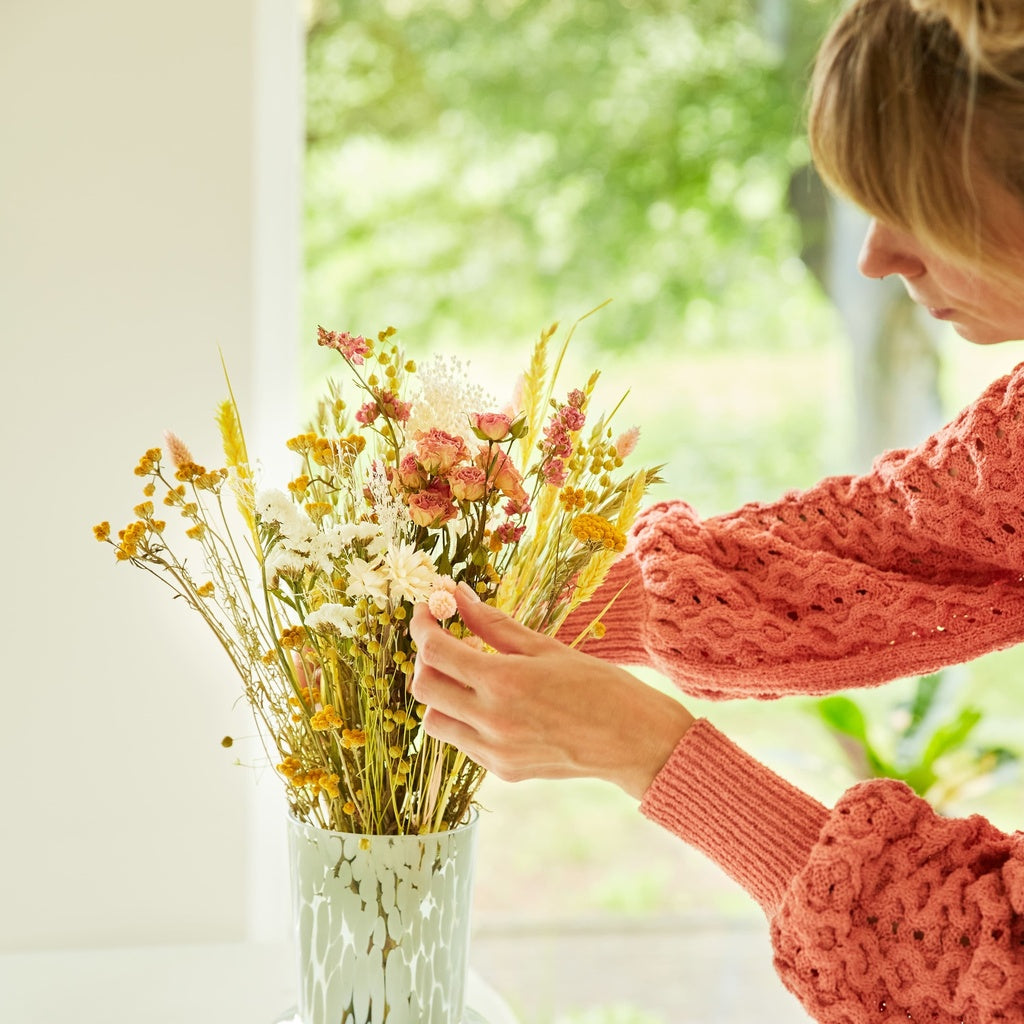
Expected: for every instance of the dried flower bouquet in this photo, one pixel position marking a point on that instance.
(422, 484)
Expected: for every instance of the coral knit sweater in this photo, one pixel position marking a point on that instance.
(880, 910)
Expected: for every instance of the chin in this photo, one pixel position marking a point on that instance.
(979, 335)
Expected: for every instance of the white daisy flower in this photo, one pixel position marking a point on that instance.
(410, 572)
(366, 580)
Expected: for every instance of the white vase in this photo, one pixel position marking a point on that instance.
(381, 925)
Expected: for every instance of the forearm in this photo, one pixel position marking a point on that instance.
(879, 909)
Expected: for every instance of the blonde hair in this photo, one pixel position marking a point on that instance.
(917, 115)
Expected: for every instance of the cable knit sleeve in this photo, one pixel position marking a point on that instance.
(880, 910)
(857, 580)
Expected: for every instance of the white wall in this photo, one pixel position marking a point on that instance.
(149, 208)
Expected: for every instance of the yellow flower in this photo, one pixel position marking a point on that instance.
(326, 718)
(189, 471)
(572, 498)
(131, 536)
(316, 510)
(299, 484)
(597, 630)
(349, 808)
(149, 463)
(301, 443)
(351, 738)
(591, 529)
(206, 590)
(102, 531)
(329, 783)
(292, 637)
(196, 532)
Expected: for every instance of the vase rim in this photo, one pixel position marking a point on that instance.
(471, 820)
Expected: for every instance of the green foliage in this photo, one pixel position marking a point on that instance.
(476, 170)
(930, 740)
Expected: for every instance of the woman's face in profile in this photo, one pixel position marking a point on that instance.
(982, 308)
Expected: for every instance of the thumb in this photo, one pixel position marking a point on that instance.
(492, 625)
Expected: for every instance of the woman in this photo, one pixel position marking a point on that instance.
(879, 909)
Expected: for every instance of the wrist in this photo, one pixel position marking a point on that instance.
(651, 743)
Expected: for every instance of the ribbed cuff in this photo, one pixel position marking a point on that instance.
(754, 824)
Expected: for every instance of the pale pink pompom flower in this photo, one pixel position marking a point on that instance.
(442, 604)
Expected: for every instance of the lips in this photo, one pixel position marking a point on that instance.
(941, 312)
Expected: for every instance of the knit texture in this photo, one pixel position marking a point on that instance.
(881, 911)
(853, 582)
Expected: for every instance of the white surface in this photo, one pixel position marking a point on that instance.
(237, 983)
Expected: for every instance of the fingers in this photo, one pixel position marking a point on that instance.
(442, 652)
(493, 626)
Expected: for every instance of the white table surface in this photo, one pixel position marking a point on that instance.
(231, 983)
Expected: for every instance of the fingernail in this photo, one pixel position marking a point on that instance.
(469, 591)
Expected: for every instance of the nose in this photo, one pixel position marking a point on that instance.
(888, 251)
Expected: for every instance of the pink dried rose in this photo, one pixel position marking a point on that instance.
(437, 451)
(468, 483)
(502, 473)
(410, 474)
(491, 426)
(433, 507)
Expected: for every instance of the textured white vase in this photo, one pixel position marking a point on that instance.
(381, 925)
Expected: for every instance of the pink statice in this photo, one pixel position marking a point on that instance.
(510, 533)
(556, 447)
(367, 413)
(393, 407)
(353, 347)
(385, 403)
(555, 473)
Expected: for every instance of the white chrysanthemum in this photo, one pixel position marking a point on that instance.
(411, 573)
(446, 397)
(333, 618)
(366, 580)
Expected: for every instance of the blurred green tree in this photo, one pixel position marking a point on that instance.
(478, 169)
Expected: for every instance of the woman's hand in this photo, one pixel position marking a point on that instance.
(537, 708)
